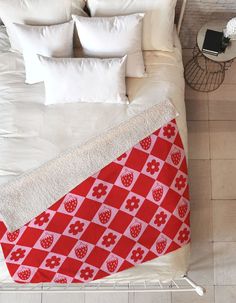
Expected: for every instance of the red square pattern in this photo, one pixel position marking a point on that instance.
(43, 275)
(136, 159)
(110, 173)
(88, 209)
(121, 222)
(93, 233)
(147, 211)
(143, 185)
(35, 257)
(59, 223)
(81, 255)
(167, 174)
(83, 188)
(116, 196)
(123, 247)
(149, 237)
(30, 237)
(171, 200)
(172, 227)
(97, 257)
(70, 267)
(64, 245)
(162, 152)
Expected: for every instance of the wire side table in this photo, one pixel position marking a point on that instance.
(205, 72)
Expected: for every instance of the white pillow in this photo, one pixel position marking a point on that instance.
(113, 37)
(36, 12)
(50, 41)
(158, 21)
(71, 80)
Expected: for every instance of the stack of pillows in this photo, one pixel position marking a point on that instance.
(112, 41)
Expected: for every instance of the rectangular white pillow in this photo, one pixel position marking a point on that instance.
(37, 12)
(50, 41)
(158, 21)
(71, 80)
(110, 37)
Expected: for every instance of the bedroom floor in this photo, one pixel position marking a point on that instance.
(212, 166)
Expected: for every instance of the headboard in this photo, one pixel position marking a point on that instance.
(180, 10)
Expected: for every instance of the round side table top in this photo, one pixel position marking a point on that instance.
(217, 25)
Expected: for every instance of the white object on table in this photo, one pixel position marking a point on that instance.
(230, 30)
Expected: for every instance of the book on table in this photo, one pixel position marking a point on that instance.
(213, 42)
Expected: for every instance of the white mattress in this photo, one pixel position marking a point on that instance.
(32, 134)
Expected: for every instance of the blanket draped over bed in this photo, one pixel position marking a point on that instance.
(133, 210)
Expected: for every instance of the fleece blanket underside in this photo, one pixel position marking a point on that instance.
(30, 194)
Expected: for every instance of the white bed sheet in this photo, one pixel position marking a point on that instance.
(32, 134)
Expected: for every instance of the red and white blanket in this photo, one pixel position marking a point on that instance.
(133, 210)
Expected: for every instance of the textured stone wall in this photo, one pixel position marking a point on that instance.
(199, 12)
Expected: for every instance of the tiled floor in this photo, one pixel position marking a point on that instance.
(212, 167)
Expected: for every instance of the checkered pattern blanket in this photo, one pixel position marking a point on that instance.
(133, 210)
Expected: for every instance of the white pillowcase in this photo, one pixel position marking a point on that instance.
(36, 12)
(70, 80)
(50, 41)
(158, 22)
(113, 37)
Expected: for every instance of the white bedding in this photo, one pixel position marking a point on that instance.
(31, 134)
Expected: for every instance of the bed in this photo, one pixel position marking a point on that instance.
(32, 134)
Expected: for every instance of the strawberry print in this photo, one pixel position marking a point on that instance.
(104, 215)
(112, 264)
(182, 209)
(60, 280)
(135, 229)
(157, 193)
(117, 211)
(11, 237)
(127, 178)
(70, 205)
(176, 156)
(24, 274)
(146, 143)
(47, 241)
(81, 250)
(161, 245)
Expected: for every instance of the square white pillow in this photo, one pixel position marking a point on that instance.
(50, 41)
(111, 37)
(71, 80)
(36, 12)
(158, 21)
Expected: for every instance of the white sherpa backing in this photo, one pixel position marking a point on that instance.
(30, 194)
